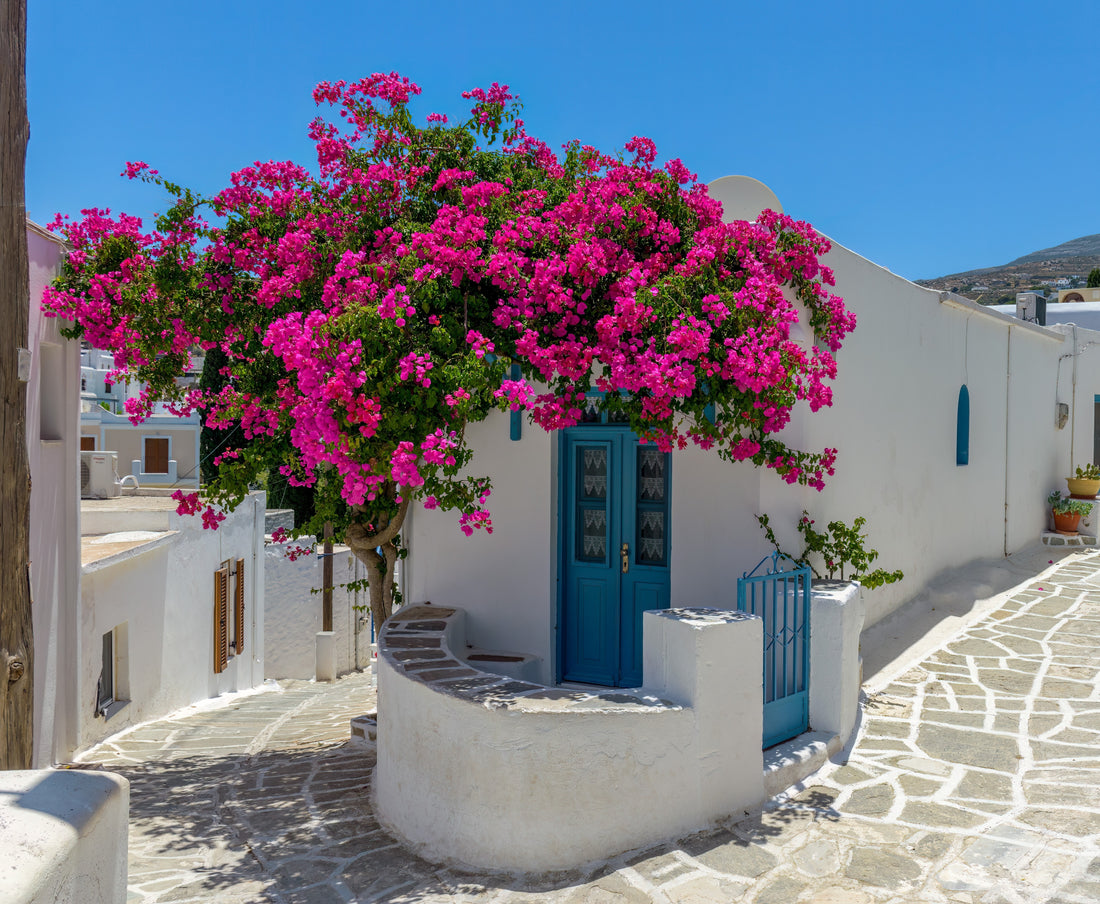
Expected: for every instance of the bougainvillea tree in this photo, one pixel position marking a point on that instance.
(368, 310)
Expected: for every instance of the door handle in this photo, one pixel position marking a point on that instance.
(625, 553)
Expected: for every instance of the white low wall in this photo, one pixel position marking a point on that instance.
(64, 837)
(837, 613)
(158, 601)
(293, 612)
(504, 774)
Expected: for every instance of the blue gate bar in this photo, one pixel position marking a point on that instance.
(782, 600)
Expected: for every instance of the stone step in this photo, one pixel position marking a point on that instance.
(365, 728)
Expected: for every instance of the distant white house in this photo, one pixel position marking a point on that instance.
(161, 451)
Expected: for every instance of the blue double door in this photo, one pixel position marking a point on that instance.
(615, 551)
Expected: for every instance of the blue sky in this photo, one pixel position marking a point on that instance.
(928, 137)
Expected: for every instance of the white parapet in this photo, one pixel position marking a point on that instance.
(326, 656)
(63, 837)
(837, 613)
(503, 774)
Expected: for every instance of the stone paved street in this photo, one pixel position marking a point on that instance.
(975, 779)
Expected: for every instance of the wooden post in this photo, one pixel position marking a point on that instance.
(16, 634)
(326, 593)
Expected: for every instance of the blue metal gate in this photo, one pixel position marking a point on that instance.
(782, 600)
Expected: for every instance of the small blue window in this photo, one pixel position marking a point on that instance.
(962, 428)
(515, 418)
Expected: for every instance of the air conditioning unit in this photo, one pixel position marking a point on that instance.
(98, 475)
(1032, 307)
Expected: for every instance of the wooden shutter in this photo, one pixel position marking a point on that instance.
(238, 608)
(87, 444)
(221, 618)
(156, 455)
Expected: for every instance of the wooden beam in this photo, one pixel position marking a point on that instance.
(16, 630)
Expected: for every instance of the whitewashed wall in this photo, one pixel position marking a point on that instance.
(505, 581)
(55, 513)
(293, 613)
(163, 593)
(893, 421)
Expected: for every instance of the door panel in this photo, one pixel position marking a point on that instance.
(615, 495)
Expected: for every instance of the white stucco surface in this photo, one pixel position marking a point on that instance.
(836, 622)
(505, 581)
(293, 612)
(503, 774)
(893, 421)
(64, 837)
(54, 510)
(158, 599)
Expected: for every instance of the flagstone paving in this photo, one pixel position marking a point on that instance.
(975, 779)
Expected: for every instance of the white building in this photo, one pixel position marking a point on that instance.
(169, 613)
(52, 448)
(944, 416)
(953, 423)
(137, 611)
(161, 451)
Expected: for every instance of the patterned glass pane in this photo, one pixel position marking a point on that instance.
(651, 475)
(594, 473)
(651, 537)
(593, 535)
(590, 414)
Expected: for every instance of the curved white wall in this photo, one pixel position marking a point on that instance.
(497, 773)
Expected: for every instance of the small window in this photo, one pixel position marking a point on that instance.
(962, 428)
(112, 690)
(105, 693)
(87, 444)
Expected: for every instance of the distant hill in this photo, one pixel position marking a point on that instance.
(1086, 246)
(1071, 260)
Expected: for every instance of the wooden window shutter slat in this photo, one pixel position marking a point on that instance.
(238, 608)
(221, 619)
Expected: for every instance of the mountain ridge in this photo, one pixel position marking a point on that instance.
(1038, 270)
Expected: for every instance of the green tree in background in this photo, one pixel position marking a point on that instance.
(1094, 279)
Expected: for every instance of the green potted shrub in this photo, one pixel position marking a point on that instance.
(1067, 512)
(1086, 485)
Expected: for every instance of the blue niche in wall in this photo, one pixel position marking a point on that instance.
(962, 428)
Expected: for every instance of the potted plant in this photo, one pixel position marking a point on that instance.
(1086, 485)
(1067, 512)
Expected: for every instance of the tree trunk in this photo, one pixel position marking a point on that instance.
(16, 641)
(379, 553)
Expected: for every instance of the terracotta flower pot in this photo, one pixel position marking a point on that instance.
(1081, 488)
(1066, 523)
